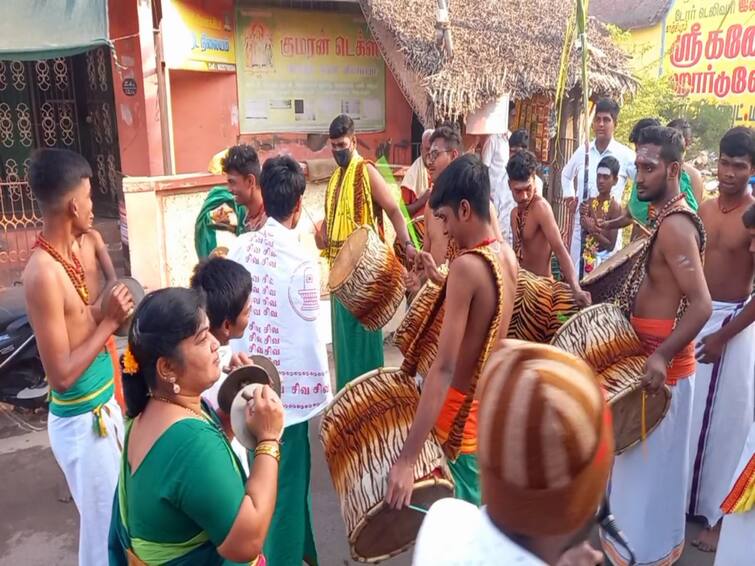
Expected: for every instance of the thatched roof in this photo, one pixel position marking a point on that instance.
(500, 47)
(643, 13)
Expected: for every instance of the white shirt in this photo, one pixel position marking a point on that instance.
(416, 178)
(576, 168)
(284, 323)
(456, 533)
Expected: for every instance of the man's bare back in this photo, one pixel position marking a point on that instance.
(482, 308)
(729, 264)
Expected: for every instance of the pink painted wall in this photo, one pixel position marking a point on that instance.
(138, 117)
(205, 117)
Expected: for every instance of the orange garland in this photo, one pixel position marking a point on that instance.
(75, 272)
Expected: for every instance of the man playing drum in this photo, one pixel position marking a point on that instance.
(536, 234)
(479, 298)
(356, 196)
(669, 302)
(85, 423)
(724, 384)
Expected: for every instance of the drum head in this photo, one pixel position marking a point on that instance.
(386, 532)
(626, 404)
(237, 380)
(137, 293)
(614, 262)
(348, 256)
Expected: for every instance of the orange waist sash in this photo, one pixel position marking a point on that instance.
(452, 405)
(652, 332)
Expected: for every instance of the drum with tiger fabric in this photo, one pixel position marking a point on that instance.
(362, 433)
(541, 307)
(603, 337)
(367, 278)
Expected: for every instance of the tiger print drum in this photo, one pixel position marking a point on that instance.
(417, 335)
(362, 433)
(603, 337)
(367, 278)
(605, 281)
(541, 306)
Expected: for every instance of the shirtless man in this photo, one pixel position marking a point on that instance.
(479, 301)
(651, 479)
(85, 424)
(724, 385)
(536, 234)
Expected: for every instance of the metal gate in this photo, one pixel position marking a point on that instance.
(65, 103)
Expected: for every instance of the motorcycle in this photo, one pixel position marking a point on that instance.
(22, 378)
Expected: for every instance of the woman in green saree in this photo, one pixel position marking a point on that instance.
(182, 497)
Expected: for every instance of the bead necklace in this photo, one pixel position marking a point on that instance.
(668, 206)
(484, 243)
(725, 210)
(74, 271)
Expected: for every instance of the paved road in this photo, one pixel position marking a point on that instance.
(38, 529)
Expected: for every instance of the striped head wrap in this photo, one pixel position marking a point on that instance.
(545, 440)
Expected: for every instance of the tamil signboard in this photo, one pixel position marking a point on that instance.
(712, 53)
(198, 36)
(298, 69)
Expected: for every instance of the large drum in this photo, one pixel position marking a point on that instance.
(541, 306)
(606, 280)
(417, 335)
(603, 337)
(362, 433)
(367, 278)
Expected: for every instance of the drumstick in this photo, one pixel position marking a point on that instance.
(642, 227)
(418, 509)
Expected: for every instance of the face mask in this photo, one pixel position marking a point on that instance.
(342, 157)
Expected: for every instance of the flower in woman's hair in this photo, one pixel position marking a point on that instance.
(130, 365)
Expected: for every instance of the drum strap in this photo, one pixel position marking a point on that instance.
(626, 296)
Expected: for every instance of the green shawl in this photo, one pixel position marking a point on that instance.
(204, 233)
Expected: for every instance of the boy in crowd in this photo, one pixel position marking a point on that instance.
(227, 287)
(599, 244)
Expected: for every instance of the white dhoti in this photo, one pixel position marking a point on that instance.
(648, 488)
(91, 464)
(737, 542)
(722, 414)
